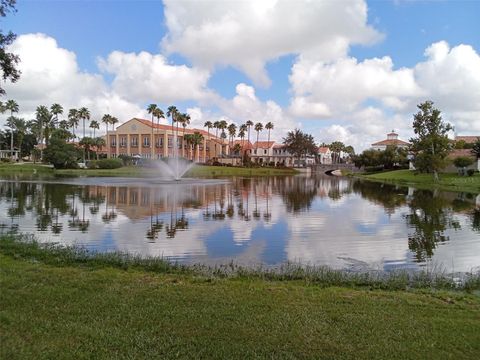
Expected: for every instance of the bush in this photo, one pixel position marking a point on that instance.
(109, 163)
(462, 161)
(470, 172)
(93, 164)
(5, 160)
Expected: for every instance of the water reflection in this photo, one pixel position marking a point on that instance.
(321, 220)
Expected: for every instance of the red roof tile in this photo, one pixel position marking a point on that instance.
(263, 144)
(467, 139)
(391, 142)
(323, 149)
(187, 130)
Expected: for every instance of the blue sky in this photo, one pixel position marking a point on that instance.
(404, 30)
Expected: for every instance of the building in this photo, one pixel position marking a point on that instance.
(391, 140)
(467, 139)
(324, 155)
(262, 152)
(143, 139)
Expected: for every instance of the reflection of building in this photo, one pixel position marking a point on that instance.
(139, 137)
(391, 140)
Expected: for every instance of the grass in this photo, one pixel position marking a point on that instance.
(132, 171)
(79, 308)
(448, 181)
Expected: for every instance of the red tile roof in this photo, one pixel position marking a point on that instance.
(391, 142)
(323, 149)
(467, 139)
(263, 144)
(244, 143)
(278, 146)
(460, 152)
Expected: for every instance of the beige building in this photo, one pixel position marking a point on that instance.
(391, 140)
(144, 139)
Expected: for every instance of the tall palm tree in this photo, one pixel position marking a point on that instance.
(269, 126)
(173, 112)
(21, 128)
(232, 131)
(113, 121)
(258, 128)
(197, 139)
(222, 126)
(12, 106)
(99, 142)
(84, 114)
(208, 125)
(42, 116)
(56, 109)
(185, 122)
(151, 110)
(216, 125)
(64, 125)
(188, 140)
(73, 120)
(158, 113)
(95, 125)
(107, 119)
(249, 124)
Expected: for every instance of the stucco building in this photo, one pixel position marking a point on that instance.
(391, 140)
(144, 139)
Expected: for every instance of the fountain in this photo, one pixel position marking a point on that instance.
(174, 167)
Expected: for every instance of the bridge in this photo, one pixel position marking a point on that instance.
(328, 168)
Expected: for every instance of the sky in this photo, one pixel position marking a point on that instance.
(341, 70)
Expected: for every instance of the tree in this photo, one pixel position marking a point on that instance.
(232, 131)
(476, 149)
(461, 163)
(172, 111)
(8, 61)
(107, 119)
(87, 143)
(269, 126)
(431, 146)
(336, 148)
(12, 106)
(249, 123)
(73, 120)
(159, 114)
(151, 110)
(56, 109)
(98, 142)
(300, 144)
(20, 127)
(60, 154)
(258, 128)
(95, 125)
(185, 121)
(84, 114)
(197, 139)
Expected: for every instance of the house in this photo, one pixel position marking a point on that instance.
(262, 152)
(391, 140)
(324, 155)
(282, 157)
(145, 139)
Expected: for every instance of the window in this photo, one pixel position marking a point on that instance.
(134, 141)
(113, 141)
(170, 142)
(265, 151)
(146, 141)
(123, 141)
(159, 142)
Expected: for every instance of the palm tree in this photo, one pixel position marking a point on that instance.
(249, 123)
(95, 125)
(113, 121)
(158, 113)
(258, 128)
(222, 126)
(99, 142)
(107, 119)
(64, 125)
(42, 116)
(173, 112)
(185, 122)
(151, 110)
(73, 120)
(56, 109)
(21, 127)
(232, 131)
(197, 139)
(269, 126)
(84, 114)
(13, 107)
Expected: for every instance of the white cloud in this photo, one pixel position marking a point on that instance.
(247, 34)
(144, 76)
(50, 74)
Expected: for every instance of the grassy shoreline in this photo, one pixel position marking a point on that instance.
(63, 306)
(132, 171)
(448, 181)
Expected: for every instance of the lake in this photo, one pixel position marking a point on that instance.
(318, 220)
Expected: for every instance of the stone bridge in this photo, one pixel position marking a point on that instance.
(328, 168)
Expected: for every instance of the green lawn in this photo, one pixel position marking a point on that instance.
(82, 309)
(200, 171)
(448, 181)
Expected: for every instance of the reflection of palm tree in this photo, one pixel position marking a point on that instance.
(57, 227)
(267, 216)
(256, 213)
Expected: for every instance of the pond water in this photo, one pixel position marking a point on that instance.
(317, 220)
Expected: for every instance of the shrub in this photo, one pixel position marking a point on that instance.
(5, 160)
(470, 172)
(93, 164)
(462, 161)
(109, 163)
